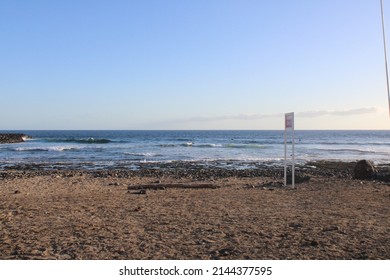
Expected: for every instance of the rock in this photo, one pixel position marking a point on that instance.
(138, 192)
(224, 252)
(272, 185)
(364, 170)
(310, 243)
(221, 253)
(299, 179)
(295, 225)
(383, 175)
(331, 228)
(12, 138)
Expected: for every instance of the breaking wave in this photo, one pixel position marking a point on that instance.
(90, 140)
(45, 149)
(246, 146)
(143, 154)
(212, 145)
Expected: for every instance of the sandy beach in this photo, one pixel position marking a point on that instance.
(201, 214)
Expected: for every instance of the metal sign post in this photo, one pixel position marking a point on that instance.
(289, 125)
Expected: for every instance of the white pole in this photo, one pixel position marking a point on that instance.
(293, 156)
(385, 49)
(285, 156)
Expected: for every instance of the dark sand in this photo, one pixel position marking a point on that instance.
(193, 214)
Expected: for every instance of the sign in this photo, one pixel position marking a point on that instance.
(289, 120)
(289, 125)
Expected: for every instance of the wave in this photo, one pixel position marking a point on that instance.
(348, 151)
(212, 145)
(167, 145)
(143, 154)
(182, 139)
(209, 145)
(89, 140)
(45, 149)
(351, 143)
(188, 144)
(204, 145)
(246, 146)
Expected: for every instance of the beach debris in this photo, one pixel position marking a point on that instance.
(270, 186)
(310, 243)
(331, 228)
(208, 240)
(142, 191)
(225, 252)
(299, 179)
(295, 225)
(362, 256)
(173, 186)
(364, 170)
(114, 184)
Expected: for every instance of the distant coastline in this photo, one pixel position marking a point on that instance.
(6, 138)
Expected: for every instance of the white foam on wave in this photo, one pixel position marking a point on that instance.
(348, 150)
(28, 138)
(45, 149)
(209, 145)
(146, 154)
(62, 148)
(246, 146)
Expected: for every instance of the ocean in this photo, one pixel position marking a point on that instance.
(106, 149)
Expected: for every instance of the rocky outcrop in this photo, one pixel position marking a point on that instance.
(12, 138)
(364, 170)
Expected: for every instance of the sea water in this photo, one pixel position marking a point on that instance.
(230, 149)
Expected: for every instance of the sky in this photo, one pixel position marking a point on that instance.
(192, 64)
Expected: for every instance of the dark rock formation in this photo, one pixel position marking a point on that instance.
(364, 170)
(299, 179)
(12, 138)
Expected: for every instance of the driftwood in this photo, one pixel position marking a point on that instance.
(173, 186)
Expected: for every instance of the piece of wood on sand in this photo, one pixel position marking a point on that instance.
(173, 186)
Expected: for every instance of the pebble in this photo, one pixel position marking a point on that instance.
(193, 171)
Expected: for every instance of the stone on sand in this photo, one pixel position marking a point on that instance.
(364, 169)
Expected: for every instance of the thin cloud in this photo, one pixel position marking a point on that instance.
(348, 112)
(304, 114)
(240, 117)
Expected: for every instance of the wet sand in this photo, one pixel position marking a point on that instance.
(193, 214)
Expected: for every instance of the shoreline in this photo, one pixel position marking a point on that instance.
(183, 169)
(193, 213)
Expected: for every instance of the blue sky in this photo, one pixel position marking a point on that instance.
(192, 64)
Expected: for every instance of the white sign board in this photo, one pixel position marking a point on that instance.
(289, 120)
(289, 125)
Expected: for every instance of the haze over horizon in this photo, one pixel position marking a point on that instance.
(218, 64)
